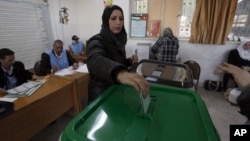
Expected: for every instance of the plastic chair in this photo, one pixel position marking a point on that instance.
(196, 70)
(37, 68)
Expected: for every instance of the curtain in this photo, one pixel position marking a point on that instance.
(212, 21)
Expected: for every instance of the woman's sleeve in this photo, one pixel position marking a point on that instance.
(99, 64)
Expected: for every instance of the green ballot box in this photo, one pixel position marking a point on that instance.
(174, 114)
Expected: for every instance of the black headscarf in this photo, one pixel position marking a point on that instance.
(109, 37)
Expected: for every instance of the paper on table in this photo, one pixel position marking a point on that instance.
(82, 68)
(69, 71)
(66, 71)
(26, 89)
(145, 102)
(17, 89)
(30, 84)
(7, 99)
(33, 89)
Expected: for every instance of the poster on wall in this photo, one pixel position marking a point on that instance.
(138, 27)
(154, 30)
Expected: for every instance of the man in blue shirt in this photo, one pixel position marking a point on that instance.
(77, 49)
(56, 59)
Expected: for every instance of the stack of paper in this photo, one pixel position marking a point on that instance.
(69, 71)
(26, 89)
(82, 68)
(65, 71)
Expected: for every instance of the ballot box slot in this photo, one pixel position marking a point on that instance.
(141, 124)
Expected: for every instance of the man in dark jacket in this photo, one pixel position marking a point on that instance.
(12, 73)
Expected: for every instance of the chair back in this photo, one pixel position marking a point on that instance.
(196, 70)
(37, 68)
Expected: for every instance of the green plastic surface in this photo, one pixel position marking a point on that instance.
(175, 114)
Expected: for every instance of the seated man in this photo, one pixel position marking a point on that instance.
(12, 73)
(56, 59)
(77, 49)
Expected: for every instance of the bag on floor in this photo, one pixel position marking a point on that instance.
(211, 85)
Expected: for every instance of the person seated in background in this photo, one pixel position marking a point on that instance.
(12, 73)
(239, 57)
(56, 59)
(242, 78)
(77, 49)
(166, 46)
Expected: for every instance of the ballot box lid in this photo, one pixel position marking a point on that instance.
(174, 114)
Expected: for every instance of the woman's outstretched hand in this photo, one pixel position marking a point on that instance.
(135, 80)
(241, 77)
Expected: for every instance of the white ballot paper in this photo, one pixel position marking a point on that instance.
(69, 71)
(26, 89)
(144, 102)
(65, 71)
(82, 68)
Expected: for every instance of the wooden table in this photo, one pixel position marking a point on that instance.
(80, 91)
(35, 112)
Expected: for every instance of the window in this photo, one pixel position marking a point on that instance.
(176, 14)
(142, 6)
(241, 25)
(24, 29)
(188, 7)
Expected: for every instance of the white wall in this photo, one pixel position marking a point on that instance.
(85, 18)
(90, 16)
(85, 21)
(60, 31)
(208, 56)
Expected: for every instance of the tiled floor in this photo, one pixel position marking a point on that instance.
(222, 113)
